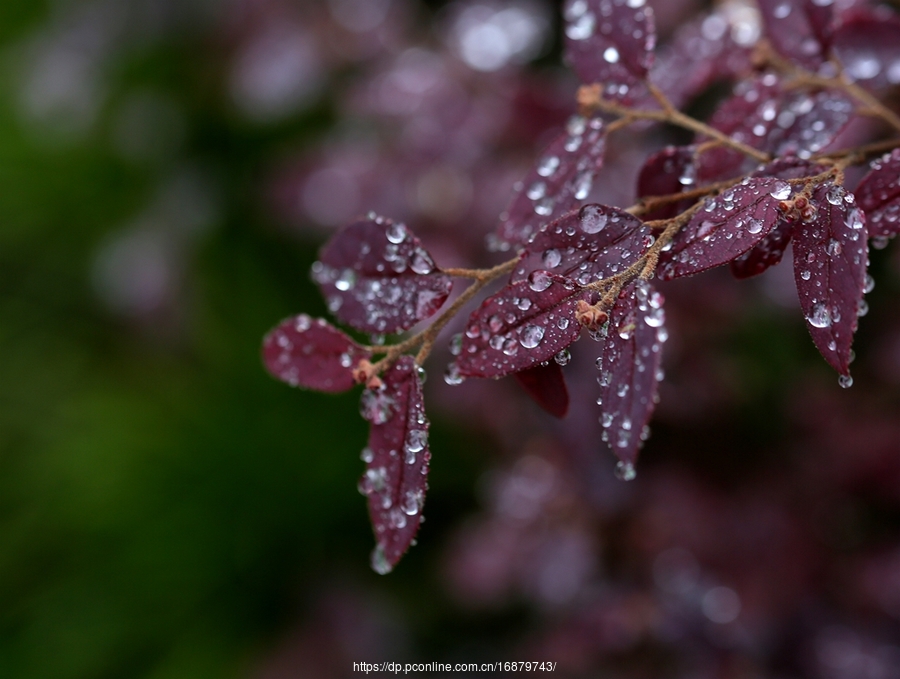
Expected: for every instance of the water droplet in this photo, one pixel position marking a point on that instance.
(539, 280)
(537, 191)
(563, 357)
(869, 284)
(551, 258)
(421, 263)
(834, 195)
(416, 440)
(379, 561)
(781, 191)
(531, 336)
(583, 27)
(820, 316)
(625, 471)
(495, 323)
(524, 304)
(611, 55)
(805, 275)
(833, 248)
(375, 406)
(452, 376)
(845, 381)
(456, 344)
(754, 225)
(592, 219)
(863, 308)
(367, 455)
(412, 502)
(396, 233)
(547, 166)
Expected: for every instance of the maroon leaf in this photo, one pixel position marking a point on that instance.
(667, 172)
(310, 353)
(800, 30)
(523, 325)
(868, 45)
(769, 251)
(629, 366)
(700, 53)
(725, 227)
(878, 194)
(593, 243)
(776, 121)
(377, 277)
(610, 42)
(830, 258)
(561, 179)
(396, 460)
(547, 386)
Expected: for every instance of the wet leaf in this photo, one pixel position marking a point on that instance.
(878, 194)
(310, 353)
(396, 457)
(610, 42)
(629, 368)
(725, 227)
(830, 259)
(561, 180)
(769, 251)
(800, 30)
(376, 276)
(867, 43)
(547, 387)
(593, 243)
(523, 325)
(665, 173)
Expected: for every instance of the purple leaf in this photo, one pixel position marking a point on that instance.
(310, 353)
(878, 194)
(610, 42)
(867, 43)
(593, 243)
(629, 366)
(665, 173)
(776, 121)
(396, 458)
(725, 227)
(800, 30)
(700, 53)
(559, 182)
(377, 277)
(547, 386)
(769, 251)
(830, 258)
(524, 324)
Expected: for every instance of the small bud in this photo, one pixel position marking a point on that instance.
(363, 372)
(589, 316)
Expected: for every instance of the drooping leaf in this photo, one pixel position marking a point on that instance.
(377, 277)
(610, 42)
(769, 251)
(665, 173)
(593, 243)
(629, 368)
(867, 43)
(800, 30)
(522, 325)
(725, 227)
(396, 458)
(830, 259)
(310, 353)
(547, 387)
(878, 194)
(700, 53)
(559, 182)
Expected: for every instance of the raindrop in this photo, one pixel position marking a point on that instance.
(367, 455)
(452, 376)
(583, 27)
(539, 280)
(563, 357)
(379, 561)
(611, 55)
(456, 344)
(625, 470)
(547, 166)
(820, 316)
(396, 233)
(531, 336)
(421, 263)
(845, 381)
(551, 258)
(869, 284)
(781, 191)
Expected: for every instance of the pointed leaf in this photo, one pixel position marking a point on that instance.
(377, 277)
(830, 259)
(396, 458)
(559, 182)
(769, 251)
(629, 368)
(310, 353)
(725, 227)
(867, 43)
(593, 243)
(878, 194)
(800, 30)
(523, 325)
(610, 42)
(547, 386)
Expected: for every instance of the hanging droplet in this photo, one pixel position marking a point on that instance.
(625, 471)
(531, 336)
(845, 381)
